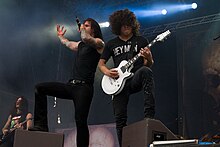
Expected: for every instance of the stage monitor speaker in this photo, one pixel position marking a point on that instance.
(23, 138)
(143, 133)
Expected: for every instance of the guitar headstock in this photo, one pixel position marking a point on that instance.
(163, 36)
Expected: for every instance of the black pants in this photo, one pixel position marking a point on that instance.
(142, 79)
(81, 94)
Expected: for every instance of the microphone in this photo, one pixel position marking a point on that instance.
(78, 22)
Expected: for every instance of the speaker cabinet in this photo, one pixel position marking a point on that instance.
(143, 133)
(23, 138)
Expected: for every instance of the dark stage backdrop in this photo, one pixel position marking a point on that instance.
(199, 80)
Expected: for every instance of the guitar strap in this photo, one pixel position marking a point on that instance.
(131, 52)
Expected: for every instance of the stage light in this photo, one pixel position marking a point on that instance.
(148, 13)
(164, 11)
(194, 5)
(104, 24)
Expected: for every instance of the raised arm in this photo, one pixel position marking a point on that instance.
(73, 45)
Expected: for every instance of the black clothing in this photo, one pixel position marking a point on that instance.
(80, 91)
(124, 50)
(81, 94)
(142, 79)
(85, 64)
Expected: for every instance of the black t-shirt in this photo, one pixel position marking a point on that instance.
(124, 50)
(85, 64)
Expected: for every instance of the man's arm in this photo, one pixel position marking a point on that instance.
(29, 121)
(108, 72)
(5, 129)
(94, 42)
(73, 45)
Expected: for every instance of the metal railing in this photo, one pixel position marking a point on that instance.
(153, 31)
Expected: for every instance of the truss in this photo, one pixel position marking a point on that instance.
(155, 30)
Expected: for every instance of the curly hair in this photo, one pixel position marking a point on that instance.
(95, 26)
(123, 17)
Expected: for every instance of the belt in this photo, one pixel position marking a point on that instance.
(77, 82)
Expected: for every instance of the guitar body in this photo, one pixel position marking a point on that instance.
(114, 86)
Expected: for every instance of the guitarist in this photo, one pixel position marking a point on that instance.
(18, 115)
(125, 46)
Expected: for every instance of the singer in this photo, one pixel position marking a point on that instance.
(79, 88)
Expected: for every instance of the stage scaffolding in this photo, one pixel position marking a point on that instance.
(155, 30)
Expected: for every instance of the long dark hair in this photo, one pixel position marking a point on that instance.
(95, 26)
(23, 107)
(123, 17)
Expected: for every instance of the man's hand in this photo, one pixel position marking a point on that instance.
(82, 27)
(112, 73)
(5, 131)
(60, 31)
(18, 126)
(146, 53)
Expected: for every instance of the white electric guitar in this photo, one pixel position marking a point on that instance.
(113, 86)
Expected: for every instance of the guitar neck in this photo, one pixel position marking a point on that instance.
(22, 123)
(136, 57)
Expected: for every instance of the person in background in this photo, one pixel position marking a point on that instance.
(18, 115)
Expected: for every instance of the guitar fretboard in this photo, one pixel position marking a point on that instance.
(131, 61)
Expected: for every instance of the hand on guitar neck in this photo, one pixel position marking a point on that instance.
(17, 126)
(146, 54)
(20, 125)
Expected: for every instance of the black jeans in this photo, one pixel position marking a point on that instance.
(142, 79)
(81, 94)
